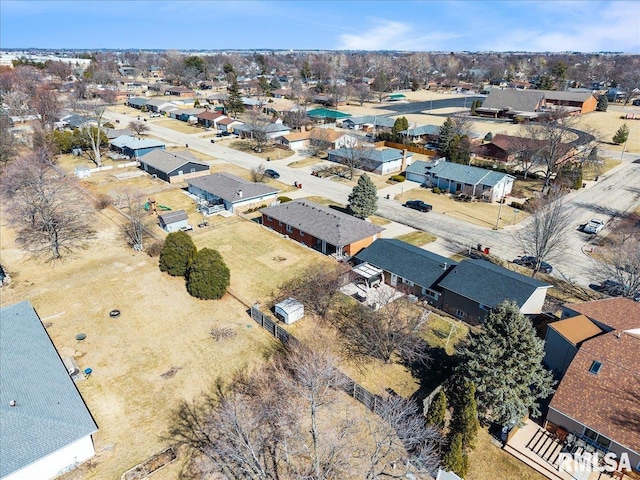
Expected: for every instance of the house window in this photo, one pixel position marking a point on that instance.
(268, 218)
(459, 313)
(180, 172)
(595, 367)
(193, 170)
(301, 233)
(279, 223)
(289, 228)
(407, 282)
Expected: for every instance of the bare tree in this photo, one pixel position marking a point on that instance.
(362, 92)
(393, 330)
(8, 141)
(135, 233)
(319, 141)
(48, 107)
(544, 233)
(47, 210)
(619, 260)
(138, 127)
(258, 123)
(354, 156)
(18, 103)
(258, 174)
(93, 130)
(316, 287)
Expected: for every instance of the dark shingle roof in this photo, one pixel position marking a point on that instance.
(518, 100)
(50, 413)
(335, 227)
(173, 217)
(135, 143)
(489, 284)
(420, 266)
(227, 187)
(169, 161)
(371, 154)
(458, 172)
(138, 101)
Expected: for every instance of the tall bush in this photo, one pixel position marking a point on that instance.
(177, 253)
(209, 276)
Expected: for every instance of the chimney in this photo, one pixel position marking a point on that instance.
(239, 193)
(445, 265)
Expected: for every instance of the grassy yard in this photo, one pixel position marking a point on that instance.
(479, 213)
(304, 162)
(267, 152)
(417, 238)
(179, 125)
(591, 172)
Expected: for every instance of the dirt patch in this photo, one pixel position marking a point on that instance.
(150, 465)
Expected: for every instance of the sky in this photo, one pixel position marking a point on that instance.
(517, 25)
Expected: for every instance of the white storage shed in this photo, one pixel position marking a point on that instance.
(289, 310)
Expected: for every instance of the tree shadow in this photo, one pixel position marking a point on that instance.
(434, 372)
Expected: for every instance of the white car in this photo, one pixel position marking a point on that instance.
(594, 226)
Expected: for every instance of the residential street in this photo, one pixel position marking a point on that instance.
(614, 193)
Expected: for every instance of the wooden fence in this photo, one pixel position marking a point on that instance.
(357, 391)
(420, 150)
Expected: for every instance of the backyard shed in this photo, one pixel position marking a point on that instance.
(289, 310)
(174, 221)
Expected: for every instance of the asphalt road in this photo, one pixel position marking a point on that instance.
(613, 194)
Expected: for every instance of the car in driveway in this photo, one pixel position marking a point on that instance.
(269, 172)
(594, 226)
(610, 287)
(530, 262)
(418, 205)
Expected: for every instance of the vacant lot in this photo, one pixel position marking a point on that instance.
(157, 352)
(479, 213)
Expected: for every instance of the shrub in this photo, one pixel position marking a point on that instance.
(284, 199)
(103, 201)
(177, 254)
(436, 190)
(398, 178)
(154, 249)
(208, 277)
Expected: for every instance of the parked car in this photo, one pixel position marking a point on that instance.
(610, 287)
(186, 228)
(530, 262)
(271, 173)
(418, 205)
(154, 114)
(594, 226)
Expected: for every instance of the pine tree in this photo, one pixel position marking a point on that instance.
(209, 276)
(177, 253)
(437, 410)
(603, 103)
(465, 418)
(621, 135)
(504, 362)
(456, 460)
(400, 125)
(363, 200)
(446, 134)
(233, 104)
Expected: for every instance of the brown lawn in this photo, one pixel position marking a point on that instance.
(479, 213)
(417, 238)
(267, 153)
(179, 125)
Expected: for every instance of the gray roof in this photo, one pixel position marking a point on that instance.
(169, 161)
(518, 100)
(457, 172)
(112, 133)
(76, 120)
(322, 222)
(378, 121)
(268, 128)
(140, 101)
(227, 186)
(173, 217)
(135, 143)
(190, 111)
(421, 130)
(156, 102)
(420, 266)
(489, 284)
(371, 154)
(49, 413)
(552, 95)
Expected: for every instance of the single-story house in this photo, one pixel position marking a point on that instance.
(135, 147)
(112, 133)
(455, 177)
(321, 228)
(574, 102)
(369, 122)
(180, 92)
(46, 425)
(137, 102)
(415, 269)
(333, 138)
(74, 121)
(597, 398)
(507, 148)
(187, 114)
(155, 104)
(271, 130)
(233, 192)
(210, 118)
(378, 160)
(173, 221)
(173, 167)
(228, 124)
(474, 287)
(425, 133)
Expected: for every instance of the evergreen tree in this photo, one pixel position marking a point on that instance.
(233, 104)
(400, 125)
(275, 83)
(177, 253)
(460, 149)
(488, 137)
(209, 276)
(437, 410)
(465, 418)
(363, 200)
(621, 135)
(456, 460)
(446, 132)
(603, 103)
(504, 362)
(264, 86)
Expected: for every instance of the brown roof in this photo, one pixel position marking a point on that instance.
(609, 401)
(209, 115)
(328, 134)
(576, 329)
(228, 121)
(294, 137)
(618, 313)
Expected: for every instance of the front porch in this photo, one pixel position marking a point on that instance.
(541, 449)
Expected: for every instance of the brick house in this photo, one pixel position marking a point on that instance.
(321, 228)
